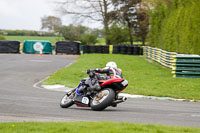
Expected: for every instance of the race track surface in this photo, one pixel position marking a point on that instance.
(20, 101)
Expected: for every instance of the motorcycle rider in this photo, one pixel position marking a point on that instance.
(110, 70)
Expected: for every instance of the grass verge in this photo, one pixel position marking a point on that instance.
(145, 77)
(52, 39)
(90, 127)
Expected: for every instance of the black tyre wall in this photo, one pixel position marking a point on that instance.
(9, 46)
(117, 49)
(95, 49)
(68, 47)
(123, 49)
(130, 50)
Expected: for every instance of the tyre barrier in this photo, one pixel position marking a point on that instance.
(116, 49)
(67, 47)
(9, 46)
(123, 49)
(128, 49)
(95, 49)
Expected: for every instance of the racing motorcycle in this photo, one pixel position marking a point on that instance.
(97, 99)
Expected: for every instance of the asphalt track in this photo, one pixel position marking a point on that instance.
(21, 101)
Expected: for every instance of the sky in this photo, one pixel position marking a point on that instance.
(27, 14)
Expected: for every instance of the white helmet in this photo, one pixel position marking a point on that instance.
(111, 64)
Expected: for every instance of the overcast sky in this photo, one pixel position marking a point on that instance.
(26, 14)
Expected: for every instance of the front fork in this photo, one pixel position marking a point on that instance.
(70, 92)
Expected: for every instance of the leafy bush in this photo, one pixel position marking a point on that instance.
(117, 34)
(2, 37)
(88, 39)
(175, 26)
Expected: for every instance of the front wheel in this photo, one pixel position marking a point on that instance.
(66, 101)
(103, 99)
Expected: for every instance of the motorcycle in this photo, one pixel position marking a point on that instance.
(84, 95)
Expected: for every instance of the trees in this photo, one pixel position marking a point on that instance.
(133, 14)
(77, 33)
(130, 13)
(142, 24)
(71, 32)
(126, 14)
(95, 10)
(51, 23)
(175, 26)
(117, 34)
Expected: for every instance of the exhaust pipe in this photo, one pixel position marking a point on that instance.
(120, 100)
(124, 99)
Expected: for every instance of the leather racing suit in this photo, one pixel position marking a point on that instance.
(110, 73)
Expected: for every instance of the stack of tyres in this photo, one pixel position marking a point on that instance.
(86, 49)
(92, 49)
(116, 49)
(123, 49)
(105, 49)
(99, 49)
(130, 49)
(9, 46)
(136, 50)
(68, 47)
(95, 49)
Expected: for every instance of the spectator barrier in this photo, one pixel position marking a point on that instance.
(9, 46)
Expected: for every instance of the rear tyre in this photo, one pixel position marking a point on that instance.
(66, 101)
(99, 102)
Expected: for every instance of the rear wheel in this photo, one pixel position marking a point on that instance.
(67, 101)
(103, 99)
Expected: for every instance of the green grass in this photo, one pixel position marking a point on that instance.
(52, 39)
(101, 41)
(144, 77)
(90, 127)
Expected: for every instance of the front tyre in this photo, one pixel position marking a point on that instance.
(66, 101)
(103, 99)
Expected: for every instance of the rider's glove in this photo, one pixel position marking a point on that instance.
(88, 71)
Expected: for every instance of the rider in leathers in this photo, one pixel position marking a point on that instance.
(110, 70)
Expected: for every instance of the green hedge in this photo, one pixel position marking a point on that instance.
(175, 26)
